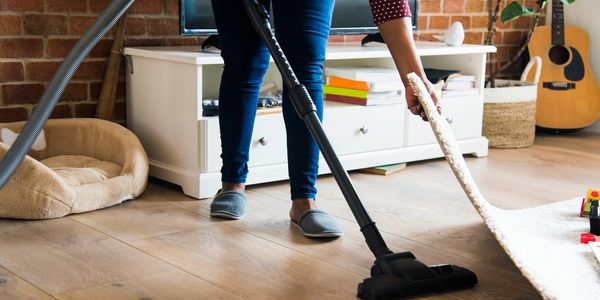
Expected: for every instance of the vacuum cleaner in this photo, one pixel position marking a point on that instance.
(393, 275)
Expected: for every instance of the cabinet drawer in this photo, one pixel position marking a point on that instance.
(465, 115)
(356, 129)
(268, 145)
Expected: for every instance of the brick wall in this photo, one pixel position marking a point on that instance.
(35, 35)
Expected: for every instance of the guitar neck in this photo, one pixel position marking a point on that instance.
(558, 23)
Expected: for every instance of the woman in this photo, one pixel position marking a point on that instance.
(302, 29)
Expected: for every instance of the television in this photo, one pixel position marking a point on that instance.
(349, 17)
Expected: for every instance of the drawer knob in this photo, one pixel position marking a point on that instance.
(263, 141)
(364, 129)
(450, 120)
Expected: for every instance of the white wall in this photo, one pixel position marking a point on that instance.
(586, 14)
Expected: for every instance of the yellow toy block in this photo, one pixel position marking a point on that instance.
(593, 194)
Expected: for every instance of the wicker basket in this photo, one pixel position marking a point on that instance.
(509, 110)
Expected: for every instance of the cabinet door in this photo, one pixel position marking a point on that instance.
(357, 129)
(465, 115)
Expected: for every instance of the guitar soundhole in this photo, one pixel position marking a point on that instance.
(559, 55)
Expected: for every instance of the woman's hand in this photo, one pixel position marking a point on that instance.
(414, 106)
(398, 36)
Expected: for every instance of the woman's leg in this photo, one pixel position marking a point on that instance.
(302, 28)
(246, 61)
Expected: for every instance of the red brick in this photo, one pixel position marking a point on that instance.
(85, 110)
(473, 37)
(45, 24)
(62, 111)
(135, 26)
(522, 23)
(512, 37)
(95, 88)
(75, 92)
(21, 47)
(479, 22)
(465, 20)
(163, 26)
(59, 47)
(476, 6)
(22, 93)
(22, 5)
(454, 6)
(172, 7)
(91, 70)
(430, 6)
(422, 22)
(147, 7)
(41, 71)
(79, 24)
(186, 41)
(102, 49)
(10, 24)
(98, 5)
(144, 42)
(66, 6)
(14, 114)
(439, 22)
(11, 71)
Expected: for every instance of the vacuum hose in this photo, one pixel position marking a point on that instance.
(57, 85)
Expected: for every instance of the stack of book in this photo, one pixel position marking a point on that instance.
(457, 85)
(363, 86)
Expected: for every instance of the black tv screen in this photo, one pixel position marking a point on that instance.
(349, 17)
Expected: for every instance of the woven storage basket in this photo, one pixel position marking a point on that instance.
(509, 110)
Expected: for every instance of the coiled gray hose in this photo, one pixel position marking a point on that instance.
(57, 85)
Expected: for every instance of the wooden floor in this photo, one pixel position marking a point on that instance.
(165, 246)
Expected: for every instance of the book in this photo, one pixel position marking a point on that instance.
(458, 85)
(459, 93)
(385, 170)
(372, 86)
(461, 77)
(332, 90)
(365, 101)
(371, 74)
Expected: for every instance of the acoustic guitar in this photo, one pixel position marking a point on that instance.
(568, 93)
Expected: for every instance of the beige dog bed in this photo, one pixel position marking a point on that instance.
(77, 165)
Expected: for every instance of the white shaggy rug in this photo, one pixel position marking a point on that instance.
(542, 241)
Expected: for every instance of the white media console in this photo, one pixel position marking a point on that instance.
(166, 85)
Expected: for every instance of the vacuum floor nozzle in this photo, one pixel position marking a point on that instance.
(401, 275)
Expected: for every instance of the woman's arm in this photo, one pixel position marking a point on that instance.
(394, 22)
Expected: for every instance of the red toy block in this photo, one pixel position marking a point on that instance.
(586, 238)
(581, 211)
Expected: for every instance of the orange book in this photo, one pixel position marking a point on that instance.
(347, 83)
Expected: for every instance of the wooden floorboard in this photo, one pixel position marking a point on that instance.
(15, 288)
(164, 245)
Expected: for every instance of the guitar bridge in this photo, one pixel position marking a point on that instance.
(560, 86)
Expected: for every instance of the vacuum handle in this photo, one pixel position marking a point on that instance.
(307, 111)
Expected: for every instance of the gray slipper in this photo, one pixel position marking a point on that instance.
(319, 224)
(228, 205)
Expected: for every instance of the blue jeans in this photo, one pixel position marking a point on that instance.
(302, 28)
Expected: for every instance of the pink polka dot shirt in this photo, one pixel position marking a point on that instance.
(386, 10)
